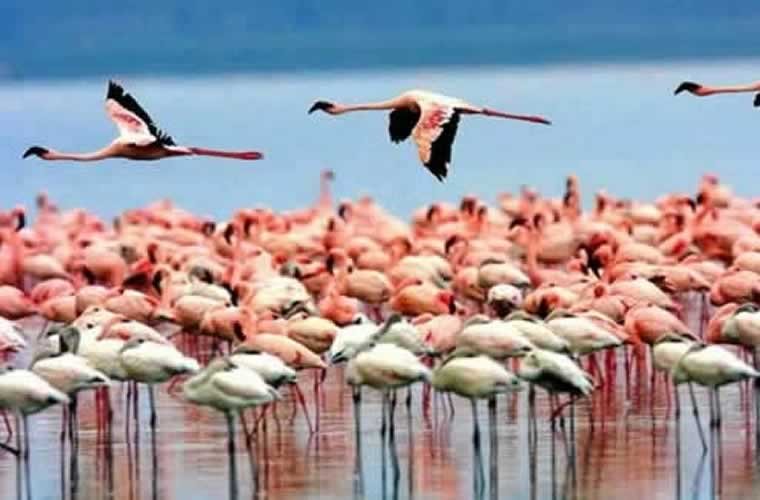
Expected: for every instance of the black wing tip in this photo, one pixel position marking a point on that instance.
(687, 87)
(756, 102)
(114, 90)
(439, 171)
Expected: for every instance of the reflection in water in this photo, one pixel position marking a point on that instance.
(625, 451)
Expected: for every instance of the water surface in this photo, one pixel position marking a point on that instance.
(626, 447)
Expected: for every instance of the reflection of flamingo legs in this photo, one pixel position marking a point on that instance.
(695, 410)
(231, 453)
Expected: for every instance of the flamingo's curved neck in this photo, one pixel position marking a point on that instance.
(325, 197)
(98, 155)
(732, 89)
(397, 102)
(531, 256)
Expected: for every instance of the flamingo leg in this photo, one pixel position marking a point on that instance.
(695, 410)
(151, 400)
(7, 423)
(231, 453)
(302, 402)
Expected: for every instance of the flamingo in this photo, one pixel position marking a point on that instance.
(476, 377)
(69, 372)
(272, 369)
(25, 392)
(229, 388)
(139, 137)
(711, 366)
(430, 118)
(351, 338)
(700, 90)
(150, 363)
(556, 373)
(385, 367)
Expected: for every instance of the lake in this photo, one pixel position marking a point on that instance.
(627, 447)
(618, 127)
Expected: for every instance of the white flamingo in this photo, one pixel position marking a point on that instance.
(151, 363)
(430, 118)
(494, 338)
(69, 372)
(536, 331)
(139, 137)
(11, 336)
(24, 393)
(350, 338)
(385, 367)
(272, 369)
(504, 298)
(229, 388)
(475, 377)
(711, 366)
(584, 336)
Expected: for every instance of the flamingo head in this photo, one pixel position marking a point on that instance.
(38, 151)
(448, 301)
(328, 175)
(452, 241)
(690, 87)
(20, 214)
(326, 106)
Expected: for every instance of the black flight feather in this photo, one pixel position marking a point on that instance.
(117, 93)
(440, 150)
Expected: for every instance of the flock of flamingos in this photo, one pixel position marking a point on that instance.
(474, 300)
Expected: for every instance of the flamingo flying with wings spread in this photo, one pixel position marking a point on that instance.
(431, 119)
(139, 137)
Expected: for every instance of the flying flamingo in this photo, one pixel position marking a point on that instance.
(139, 137)
(706, 90)
(430, 118)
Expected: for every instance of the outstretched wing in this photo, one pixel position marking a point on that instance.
(401, 122)
(133, 122)
(434, 135)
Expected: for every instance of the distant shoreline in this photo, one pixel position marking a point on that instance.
(350, 51)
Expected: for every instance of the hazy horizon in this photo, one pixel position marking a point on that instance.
(44, 39)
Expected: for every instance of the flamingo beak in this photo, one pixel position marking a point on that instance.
(320, 105)
(756, 102)
(690, 87)
(36, 151)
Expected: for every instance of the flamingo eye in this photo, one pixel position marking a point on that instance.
(89, 325)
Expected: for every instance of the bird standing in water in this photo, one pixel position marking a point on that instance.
(430, 118)
(139, 137)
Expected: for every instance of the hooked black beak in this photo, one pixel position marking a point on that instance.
(208, 228)
(20, 221)
(452, 305)
(156, 282)
(330, 263)
(238, 330)
(320, 105)
(338, 357)
(690, 87)
(228, 232)
(36, 151)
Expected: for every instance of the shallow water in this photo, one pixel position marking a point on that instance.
(628, 449)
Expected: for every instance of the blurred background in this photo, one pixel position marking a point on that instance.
(241, 74)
